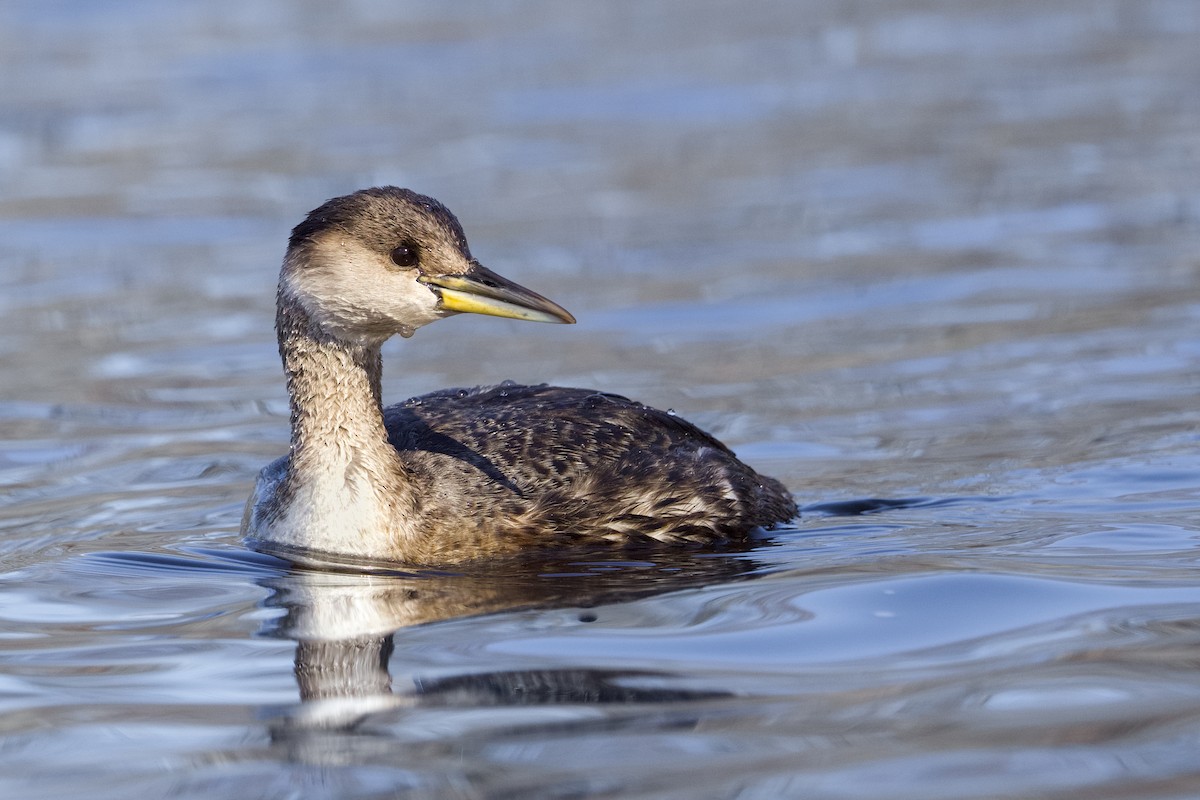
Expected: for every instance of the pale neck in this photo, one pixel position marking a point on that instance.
(336, 407)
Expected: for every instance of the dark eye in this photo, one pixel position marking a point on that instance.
(405, 255)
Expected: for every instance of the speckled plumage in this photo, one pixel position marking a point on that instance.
(463, 473)
(577, 464)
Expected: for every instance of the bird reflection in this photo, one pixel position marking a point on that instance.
(349, 633)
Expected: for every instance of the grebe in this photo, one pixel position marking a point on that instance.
(461, 474)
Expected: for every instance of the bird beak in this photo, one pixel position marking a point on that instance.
(482, 291)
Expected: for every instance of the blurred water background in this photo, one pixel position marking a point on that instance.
(934, 264)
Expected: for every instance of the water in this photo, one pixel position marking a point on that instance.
(934, 265)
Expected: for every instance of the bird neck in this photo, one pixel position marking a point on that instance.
(344, 476)
(333, 386)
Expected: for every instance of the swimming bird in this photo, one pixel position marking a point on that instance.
(461, 474)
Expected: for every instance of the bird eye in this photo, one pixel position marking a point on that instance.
(405, 256)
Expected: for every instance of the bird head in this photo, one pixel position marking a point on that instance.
(383, 261)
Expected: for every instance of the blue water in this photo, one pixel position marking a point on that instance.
(932, 265)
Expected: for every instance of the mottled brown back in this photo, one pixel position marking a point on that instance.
(518, 460)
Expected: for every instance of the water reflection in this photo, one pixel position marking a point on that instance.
(349, 630)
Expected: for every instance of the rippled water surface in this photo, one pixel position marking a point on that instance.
(935, 265)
